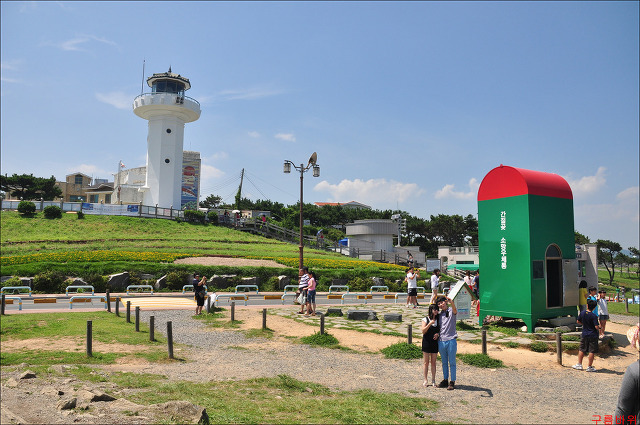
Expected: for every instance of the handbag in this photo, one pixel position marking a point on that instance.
(301, 299)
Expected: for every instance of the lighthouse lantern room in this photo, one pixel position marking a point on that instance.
(167, 109)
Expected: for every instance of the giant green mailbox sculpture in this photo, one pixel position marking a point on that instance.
(527, 249)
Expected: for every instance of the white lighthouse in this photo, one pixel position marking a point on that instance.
(167, 109)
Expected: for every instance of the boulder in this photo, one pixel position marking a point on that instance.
(566, 328)
(249, 281)
(160, 283)
(118, 282)
(27, 374)
(26, 281)
(283, 281)
(393, 317)
(67, 404)
(339, 281)
(378, 281)
(183, 412)
(223, 281)
(334, 311)
(147, 276)
(78, 281)
(362, 315)
(5, 278)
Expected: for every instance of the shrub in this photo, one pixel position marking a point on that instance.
(193, 216)
(570, 347)
(539, 347)
(213, 217)
(177, 279)
(27, 208)
(49, 282)
(480, 360)
(324, 340)
(511, 344)
(52, 211)
(402, 350)
(96, 280)
(80, 215)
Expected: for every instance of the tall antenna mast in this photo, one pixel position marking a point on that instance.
(142, 82)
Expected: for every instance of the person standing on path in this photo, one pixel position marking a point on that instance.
(311, 295)
(200, 292)
(582, 296)
(435, 283)
(412, 287)
(603, 311)
(589, 339)
(448, 344)
(430, 334)
(303, 284)
(628, 407)
(593, 295)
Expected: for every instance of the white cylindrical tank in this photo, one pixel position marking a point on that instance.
(167, 109)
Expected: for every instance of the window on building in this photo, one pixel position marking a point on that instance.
(75, 198)
(78, 179)
(107, 199)
(94, 199)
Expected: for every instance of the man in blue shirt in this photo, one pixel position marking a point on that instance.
(589, 339)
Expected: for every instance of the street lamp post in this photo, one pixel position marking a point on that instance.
(316, 173)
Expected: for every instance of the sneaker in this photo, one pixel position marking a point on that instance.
(601, 336)
(452, 385)
(577, 366)
(444, 383)
(591, 369)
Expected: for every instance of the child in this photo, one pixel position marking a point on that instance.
(593, 295)
(430, 334)
(589, 339)
(582, 295)
(603, 311)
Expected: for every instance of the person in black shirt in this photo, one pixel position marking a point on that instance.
(200, 292)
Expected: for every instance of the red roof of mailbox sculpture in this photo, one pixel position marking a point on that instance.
(505, 181)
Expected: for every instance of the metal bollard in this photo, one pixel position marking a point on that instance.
(3, 304)
(208, 301)
(128, 311)
(264, 319)
(89, 338)
(152, 325)
(233, 311)
(559, 347)
(108, 301)
(409, 333)
(170, 339)
(117, 306)
(484, 341)
(137, 318)
(321, 323)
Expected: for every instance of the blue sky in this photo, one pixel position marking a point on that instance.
(408, 104)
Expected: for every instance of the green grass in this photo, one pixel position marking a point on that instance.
(618, 308)
(480, 360)
(106, 328)
(216, 319)
(619, 279)
(539, 347)
(402, 350)
(323, 340)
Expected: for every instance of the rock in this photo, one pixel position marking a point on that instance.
(283, 281)
(11, 383)
(249, 281)
(4, 278)
(334, 311)
(566, 328)
(160, 283)
(118, 282)
(339, 281)
(222, 281)
(183, 412)
(26, 281)
(147, 276)
(27, 374)
(79, 281)
(101, 396)
(393, 317)
(51, 391)
(362, 315)
(67, 404)
(562, 321)
(378, 281)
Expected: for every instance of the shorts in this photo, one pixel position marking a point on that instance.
(589, 344)
(311, 296)
(603, 317)
(200, 300)
(412, 292)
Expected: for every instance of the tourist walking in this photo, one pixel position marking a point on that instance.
(448, 344)
(311, 295)
(430, 334)
(435, 283)
(412, 287)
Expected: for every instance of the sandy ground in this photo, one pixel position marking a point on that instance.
(228, 261)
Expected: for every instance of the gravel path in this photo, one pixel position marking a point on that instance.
(481, 396)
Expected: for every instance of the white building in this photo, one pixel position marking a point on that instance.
(167, 109)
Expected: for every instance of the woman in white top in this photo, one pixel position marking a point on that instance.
(435, 283)
(412, 287)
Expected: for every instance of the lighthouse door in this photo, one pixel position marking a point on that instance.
(553, 276)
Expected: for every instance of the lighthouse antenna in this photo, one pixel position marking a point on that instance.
(142, 82)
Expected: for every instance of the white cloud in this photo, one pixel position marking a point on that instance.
(288, 137)
(254, 134)
(91, 170)
(78, 43)
(448, 191)
(210, 172)
(117, 99)
(629, 195)
(588, 184)
(370, 191)
(217, 156)
(248, 94)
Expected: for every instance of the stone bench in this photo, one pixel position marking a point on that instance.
(362, 315)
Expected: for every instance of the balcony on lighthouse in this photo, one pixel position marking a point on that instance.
(167, 96)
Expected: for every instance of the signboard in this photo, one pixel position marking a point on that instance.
(461, 295)
(190, 181)
(432, 265)
(109, 209)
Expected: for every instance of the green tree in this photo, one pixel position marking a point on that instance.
(211, 201)
(607, 251)
(580, 238)
(29, 187)
(635, 258)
